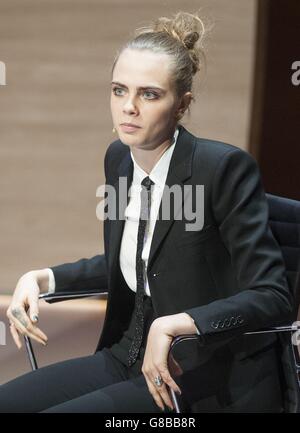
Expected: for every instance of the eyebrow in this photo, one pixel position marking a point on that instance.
(139, 88)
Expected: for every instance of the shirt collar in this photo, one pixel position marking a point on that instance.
(159, 172)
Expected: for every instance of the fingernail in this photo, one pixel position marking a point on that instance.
(35, 318)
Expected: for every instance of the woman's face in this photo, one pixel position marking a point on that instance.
(142, 94)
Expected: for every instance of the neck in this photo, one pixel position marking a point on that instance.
(147, 158)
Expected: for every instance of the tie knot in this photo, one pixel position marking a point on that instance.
(147, 182)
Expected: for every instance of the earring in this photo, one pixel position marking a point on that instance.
(114, 130)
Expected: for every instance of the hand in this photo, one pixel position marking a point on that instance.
(25, 299)
(155, 363)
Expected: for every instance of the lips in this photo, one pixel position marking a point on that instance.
(129, 127)
(130, 124)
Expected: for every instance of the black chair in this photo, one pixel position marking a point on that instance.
(187, 360)
(284, 220)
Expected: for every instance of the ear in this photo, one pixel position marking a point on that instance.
(184, 103)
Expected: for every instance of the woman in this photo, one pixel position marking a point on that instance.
(219, 277)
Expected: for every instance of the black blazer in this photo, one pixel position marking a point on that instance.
(229, 276)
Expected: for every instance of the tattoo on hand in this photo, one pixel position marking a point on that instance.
(18, 315)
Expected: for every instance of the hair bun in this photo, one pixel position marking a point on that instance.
(185, 27)
(182, 37)
(190, 39)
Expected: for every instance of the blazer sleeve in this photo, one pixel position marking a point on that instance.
(240, 210)
(83, 275)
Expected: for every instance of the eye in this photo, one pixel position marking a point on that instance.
(117, 91)
(150, 95)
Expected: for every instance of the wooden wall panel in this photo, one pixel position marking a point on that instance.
(275, 126)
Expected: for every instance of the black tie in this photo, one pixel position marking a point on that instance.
(139, 297)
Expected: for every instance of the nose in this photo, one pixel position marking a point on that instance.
(130, 106)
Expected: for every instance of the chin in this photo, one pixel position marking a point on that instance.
(129, 140)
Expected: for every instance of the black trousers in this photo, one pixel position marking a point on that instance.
(97, 383)
(101, 382)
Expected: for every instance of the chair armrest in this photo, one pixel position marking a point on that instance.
(274, 329)
(187, 356)
(286, 328)
(195, 342)
(51, 298)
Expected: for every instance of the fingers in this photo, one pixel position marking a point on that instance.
(156, 395)
(160, 393)
(33, 308)
(167, 378)
(15, 336)
(22, 323)
(163, 394)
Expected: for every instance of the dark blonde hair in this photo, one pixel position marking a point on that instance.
(181, 37)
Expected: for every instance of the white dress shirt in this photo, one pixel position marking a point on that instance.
(128, 248)
(158, 175)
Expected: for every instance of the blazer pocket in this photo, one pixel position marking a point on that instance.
(190, 238)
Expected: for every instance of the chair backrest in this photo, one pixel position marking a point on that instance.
(190, 359)
(284, 220)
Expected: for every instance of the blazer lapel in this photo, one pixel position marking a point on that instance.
(125, 171)
(180, 170)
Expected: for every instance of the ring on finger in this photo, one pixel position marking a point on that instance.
(158, 381)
